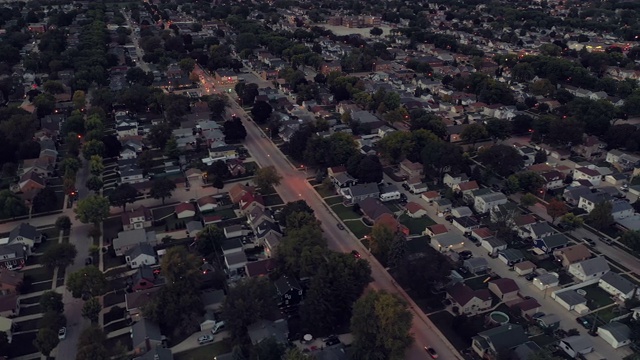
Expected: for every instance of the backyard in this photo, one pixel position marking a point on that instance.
(416, 225)
(596, 297)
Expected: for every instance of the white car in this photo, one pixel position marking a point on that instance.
(62, 333)
(205, 339)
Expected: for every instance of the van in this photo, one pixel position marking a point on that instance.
(217, 327)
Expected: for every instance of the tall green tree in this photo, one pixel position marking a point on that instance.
(474, 133)
(267, 177)
(502, 159)
(209, 239)
(600, 217)
(96, 167)
(92, 148)
(92, 209)
(59, 255)
(88, 280)
(91, 309)
(46, 340)
(91, 344)
(94, 184)
(246, 302)
(162, 188)
(122, 195)
(380, 326)
(51, 301)
(180, 266)
(63, 223)
(571, 222)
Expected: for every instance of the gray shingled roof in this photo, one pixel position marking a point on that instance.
(619, 331)
(25, 230)
(571, 297)
(618, 282)
(578, 343)
(593, 266)
(145, 329)
(505, 337)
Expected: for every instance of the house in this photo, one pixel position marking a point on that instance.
(615, 334)
(135, 301)
(264, 329)
(212, 299)
(505, 289)
(372, 209)
(265, 228)
(25, 234)
(447, 242)
(193, 228)
(9, 305)
(128, 239)
(231, 246)
(6, 326)
(467, 300)
(465, 186)
(622, 161)
(621, 210)
(234, 231)
(548, 244)
(549, 321)
(525, 351)
(553, 180)
(576, 345)
(260, 267)
(571, 300)
(443, 205)
(145, 336)
(435, 230)
(511, 256)
(536, 231)
(585, 173)
(140, 254)
(271, 242)
(492, 244)
(143, 279)
(194, 176)
(185, 210)
(617, 286)
(157, 353)
(589, 269)
(451, 180)
(415, 210)
(476, 265)
(590, 200)
(258, 215)
(484, 203)
(527, 307)
(357, 193)
(461, 211)
(10, 281)
(572, 254)
(31, 181)
(235, 261)
(412, 169)
(207, 203)
(416, 185)
(237, 191)
(289, 292)
(546, 281)
(430, 196)
(524, 268)
(250, 201)
(139, 218)
(340, 177)
(573, 194)
(13, 256)
(489, 343)
(465, 224)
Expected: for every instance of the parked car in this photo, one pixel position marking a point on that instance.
(88, 261)
(205, 339)
(340, 226)
(606, 240)
(431, 352)
(464, 255)
(217, 327)
(62, 333)
(588, 241)
(405, 186)
(355, 254)
(531, 276)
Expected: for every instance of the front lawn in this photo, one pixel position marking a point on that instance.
(113, 298)
(39, 274)
(358, 228)
(273, 199)
(333, 200)
(416, 225)
(323, 191)
(204, 352)
(345, 213)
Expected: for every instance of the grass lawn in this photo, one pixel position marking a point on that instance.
(443, 321)
(271, 200)
(39, 274)
(111, 227)
(358, 228)
(28, 325)
(114, 314)
(111, 261)
(124, 339)
(51, 232)
(225, 213)
(333, 200)
(323, 191)
(416, 226)
(418, 245)
(548, 265)
(345, 213)
(477, 283)
(30, 300)
(204, 352)
(46, 285)
(116, 326)
(543, 340)
(22, 344)
(597, 297)
(43, 246)
(113, 298)
(31, 310)
(608, 313)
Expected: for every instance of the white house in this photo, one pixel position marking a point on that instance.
(621, 210)
(234, 231)
(128, 153)
(546, 281)
(451, 180)
(139, 218)
(617, 286)
(590, 200)
(589, 269)
(141, 254)
(484, 203)
(207, 203)
(576, 345)
(585, 173)
(615, 334)
(461, 211)
(447, 241)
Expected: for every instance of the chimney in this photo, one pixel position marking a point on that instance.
(147, 343)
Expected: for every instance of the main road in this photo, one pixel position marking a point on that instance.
(294, 186)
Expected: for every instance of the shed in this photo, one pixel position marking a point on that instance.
(511, 256)
(524, 268)
(447, 241)
(615, 334)
(546, 281)
(570, 300)
(476, 265)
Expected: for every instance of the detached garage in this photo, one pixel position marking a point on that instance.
(615, 334)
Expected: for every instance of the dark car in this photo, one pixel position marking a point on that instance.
(588, 241)
(332, 341)
(340, 226)
(88, 261)
(405, 186)
(431, 352)
(531, 276)
(355, 254)
(606, 240)
(464, 255)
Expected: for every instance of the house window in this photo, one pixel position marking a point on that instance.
(133, 263)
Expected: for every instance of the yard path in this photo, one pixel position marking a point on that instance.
(125, 330)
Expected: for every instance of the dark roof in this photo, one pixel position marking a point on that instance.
(618, 282)
(571, 297)
(25, 230)
(466, 221)
(145, 329)
(9, 277)
(284, 284)
(136, 300)
(505, 337)
(139, 249)
(462, 294)
(260, 267)
(505, 285)
(8, 302)
(373, 208)
(555, 241)
(619, 331)
(143, 273)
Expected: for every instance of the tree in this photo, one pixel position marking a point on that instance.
(94, 184)
(88, 280)
(600, 217)
(59, 255)
(234, 130)
(145, 161)
(93, 147)
(247, 301)
(46, 340)
(267, 177)
(218, 104)
(45, 200)
(53, 87)
(91, 309)
(528, 199)
(501, 159)
(498, 129)
(367, 169)
(528, 181)
(571, 222)
(136, 75)
(375, 31)
(159, 134)
(540, 157)
(52, 320)
(261, 111)
(440, 157)
(295, 354)
(556, 208)
(92, 209)
(69, 164)
(220, 169)
(380, 240)
(122, 195)
(63, 223)
(523, 72)
(217, 183)
(51, 301)
(180, 266)
(45, 104)
(96, 167)
(631, 238)
(208, 240)
(380, 326)
(79, 99)
(474, 133)
(269, 349)
(91, 344)
(187, 65)
(10, 205)
(162, 188)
